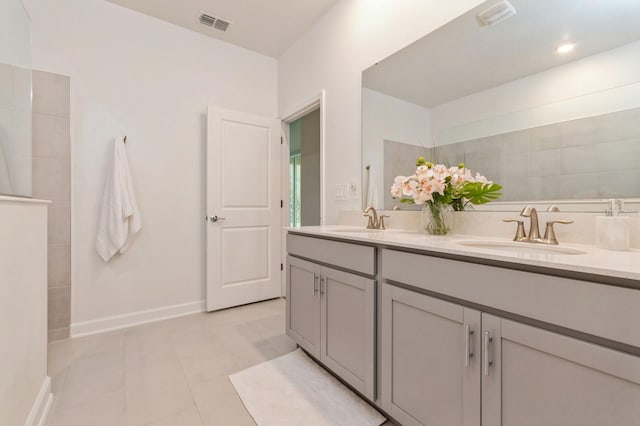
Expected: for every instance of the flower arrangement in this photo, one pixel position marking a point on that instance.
(437, 186)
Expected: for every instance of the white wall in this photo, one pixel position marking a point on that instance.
(24, 386)
(387, 118)
(15, 39)
(349, 38)
(598, 84)
(135, 75)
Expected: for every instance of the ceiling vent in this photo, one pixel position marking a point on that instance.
(496, 13)
(221, 25)
(212, 21)
(207, 20)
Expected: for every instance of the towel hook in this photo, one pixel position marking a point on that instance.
(125, 139)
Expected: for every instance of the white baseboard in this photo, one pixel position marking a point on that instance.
(117, 322)
(41, 406)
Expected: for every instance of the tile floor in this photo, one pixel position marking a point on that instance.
(169, 373)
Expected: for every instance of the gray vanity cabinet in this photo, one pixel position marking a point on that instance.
(348, 328)
(331, 312)
(430, 359)
(303, 304)
(536, 377)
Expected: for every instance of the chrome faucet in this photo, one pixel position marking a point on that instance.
(375, 221)
(534, 227)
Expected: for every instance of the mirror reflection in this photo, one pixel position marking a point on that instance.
(545, 101)
(15, 99)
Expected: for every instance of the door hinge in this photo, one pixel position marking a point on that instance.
(281, 203)
(282, 266)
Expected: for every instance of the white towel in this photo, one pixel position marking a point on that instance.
(372, 191)
(119, 214)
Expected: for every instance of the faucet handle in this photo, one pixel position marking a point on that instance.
(549, 233)
(370, 221)
(520, 233)
(381, 221)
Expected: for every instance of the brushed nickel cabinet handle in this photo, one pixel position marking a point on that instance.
(487, 339)
(315, 284)
(322, 284)
(467, 345)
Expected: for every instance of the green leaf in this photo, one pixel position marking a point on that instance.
(481, 193)
(407, 200)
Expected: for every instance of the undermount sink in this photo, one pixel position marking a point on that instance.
(517, 247)
(356, 230)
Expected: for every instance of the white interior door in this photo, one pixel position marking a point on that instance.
(243, 208)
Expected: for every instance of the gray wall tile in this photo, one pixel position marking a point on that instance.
(618, 125)
(544, 137)
(488, 164)
(51, 94)
(51, 178)
(516, 142)
(483, 145)
(517, 189)
(578, 186)
(59, 223)
(400, 160)
(542, 188)
(515, 165)
(544, 163)
(619, 184)
(51, 136)
(581, 159)
(59, 265)
(577, 132)
(621, 154)
(593, 157)
(59, 307)
(59, 334)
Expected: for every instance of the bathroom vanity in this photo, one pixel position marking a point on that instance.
(442, 331)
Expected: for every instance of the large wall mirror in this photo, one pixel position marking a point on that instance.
(15, 99)
(545, 102)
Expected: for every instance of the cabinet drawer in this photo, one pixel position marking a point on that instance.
(601, 310)
(348, 256)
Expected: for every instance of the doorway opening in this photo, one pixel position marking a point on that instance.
(304, 170)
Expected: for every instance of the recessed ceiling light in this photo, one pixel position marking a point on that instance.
(565, 48)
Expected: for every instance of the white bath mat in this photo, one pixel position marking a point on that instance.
(294, 390)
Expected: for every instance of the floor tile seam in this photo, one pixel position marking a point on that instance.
(184, 373)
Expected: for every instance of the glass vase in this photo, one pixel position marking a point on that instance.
(436, 218)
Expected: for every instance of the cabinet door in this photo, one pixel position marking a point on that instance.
(536, 377)
(303, 304)
(348, 328)
(430, 360)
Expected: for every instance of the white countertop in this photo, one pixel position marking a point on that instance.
(594, 261)
(26, 200)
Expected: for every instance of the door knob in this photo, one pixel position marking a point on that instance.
(214, 218)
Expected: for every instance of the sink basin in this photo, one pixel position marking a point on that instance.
(516, 247)
(356, 230)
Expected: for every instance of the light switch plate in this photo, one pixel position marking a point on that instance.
(354, 191)
(342, 192)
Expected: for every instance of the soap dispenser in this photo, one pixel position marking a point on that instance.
(613, 232)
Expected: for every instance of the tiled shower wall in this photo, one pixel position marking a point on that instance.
(399, 160)
(52, 181)
(594, 157)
